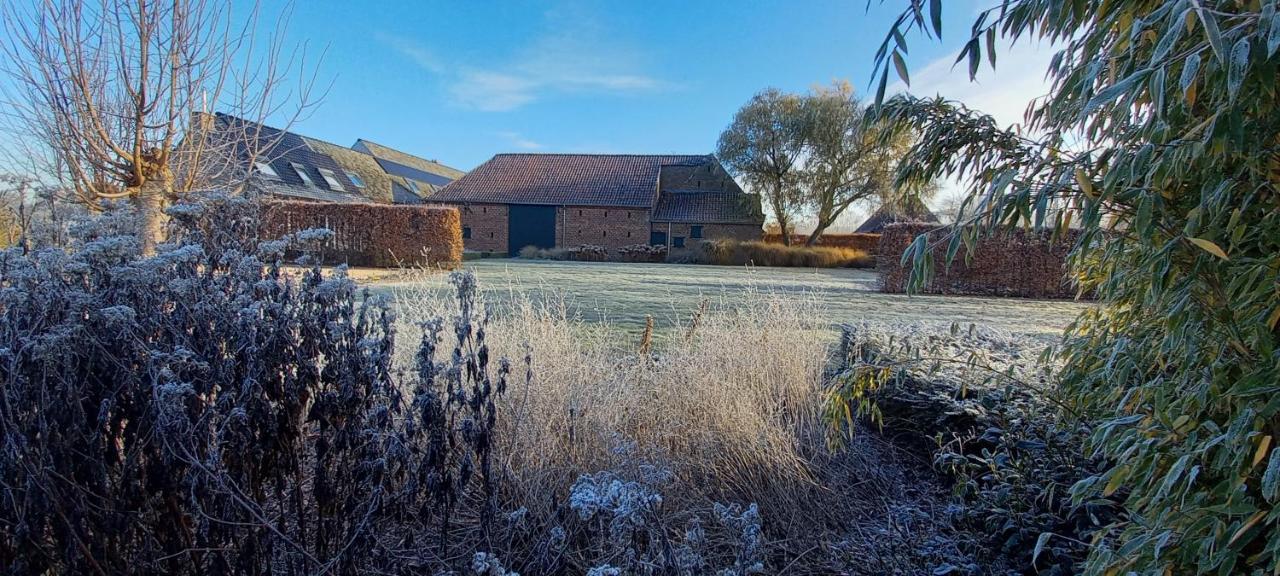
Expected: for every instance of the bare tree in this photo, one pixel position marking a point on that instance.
(116, 95)
(847, 159)
(763, 145)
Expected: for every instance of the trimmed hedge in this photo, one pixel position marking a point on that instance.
(735, 253)
(857, 241)
(375, 235)
(1022, 263)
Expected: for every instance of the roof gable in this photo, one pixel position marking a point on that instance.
(886, 215)
(624, 180)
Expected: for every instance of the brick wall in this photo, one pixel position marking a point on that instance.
(486, 224)
(866, 242)
(1012, 263)
(609, 227)
(379, 235)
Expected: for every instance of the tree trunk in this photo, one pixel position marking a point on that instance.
(816, 234)
(151, 200)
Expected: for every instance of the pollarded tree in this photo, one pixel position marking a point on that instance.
(764, 145)
(1161, 139)
(111, 93)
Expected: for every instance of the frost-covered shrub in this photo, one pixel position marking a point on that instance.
(204, 411)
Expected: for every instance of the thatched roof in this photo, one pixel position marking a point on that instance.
(886, 215)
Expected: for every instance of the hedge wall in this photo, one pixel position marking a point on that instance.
(375, 235)
(1013, 263)
(865, 242)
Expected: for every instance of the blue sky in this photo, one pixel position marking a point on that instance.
(461, 81)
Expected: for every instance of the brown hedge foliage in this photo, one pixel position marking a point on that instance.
(857, 241)
(735, 253)
(1023, 263)
(375, 235)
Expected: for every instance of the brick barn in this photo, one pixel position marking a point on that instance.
(610, 200)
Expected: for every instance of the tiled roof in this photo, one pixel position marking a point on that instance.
(565, 179)
(407, 165)
(377, 184)
(309, 193)
(708, 206)
(281, 150)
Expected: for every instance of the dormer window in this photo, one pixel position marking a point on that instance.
(355, 179)
(302, 173)
(331, 179)
(266, 170)
(413, 186)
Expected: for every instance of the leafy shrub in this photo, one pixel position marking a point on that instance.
(985, 410)
(642, 253)
(736, 253)
(199, 411)
(583, 253)
(1161, 129)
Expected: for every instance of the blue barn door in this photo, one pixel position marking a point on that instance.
(530, 226)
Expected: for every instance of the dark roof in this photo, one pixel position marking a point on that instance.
(428, 175)
(886, 215)
(708, 206)
(566, 179)
(282, 150)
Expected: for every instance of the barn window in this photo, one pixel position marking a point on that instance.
(628, 234)
(579, 212)
(266, 170)
(491, 234)
(466, 232)
(695, 231)
(604, 234)
(331, 179)
(302, 173)
(484, 210)
(678, 241)
(606, 213)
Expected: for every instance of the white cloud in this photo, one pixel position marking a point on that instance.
(573, 55)
(1003, 93)
(519, 141)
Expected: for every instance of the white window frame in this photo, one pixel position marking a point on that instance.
(355, 179)
(413, 186)
(331, 178)
(302, 173)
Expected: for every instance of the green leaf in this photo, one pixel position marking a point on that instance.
(991, 47)
(935, 14)
(1040, 542)
(1239, 63)
(901, 66)
(1273, 37)
(1211, 31)
(884, 81)
(1171, 35)
(1189, 70)
(1208, 246)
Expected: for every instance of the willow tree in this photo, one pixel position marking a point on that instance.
(763, 145)
(1160, 139)
(115, 93)
(849, 158)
